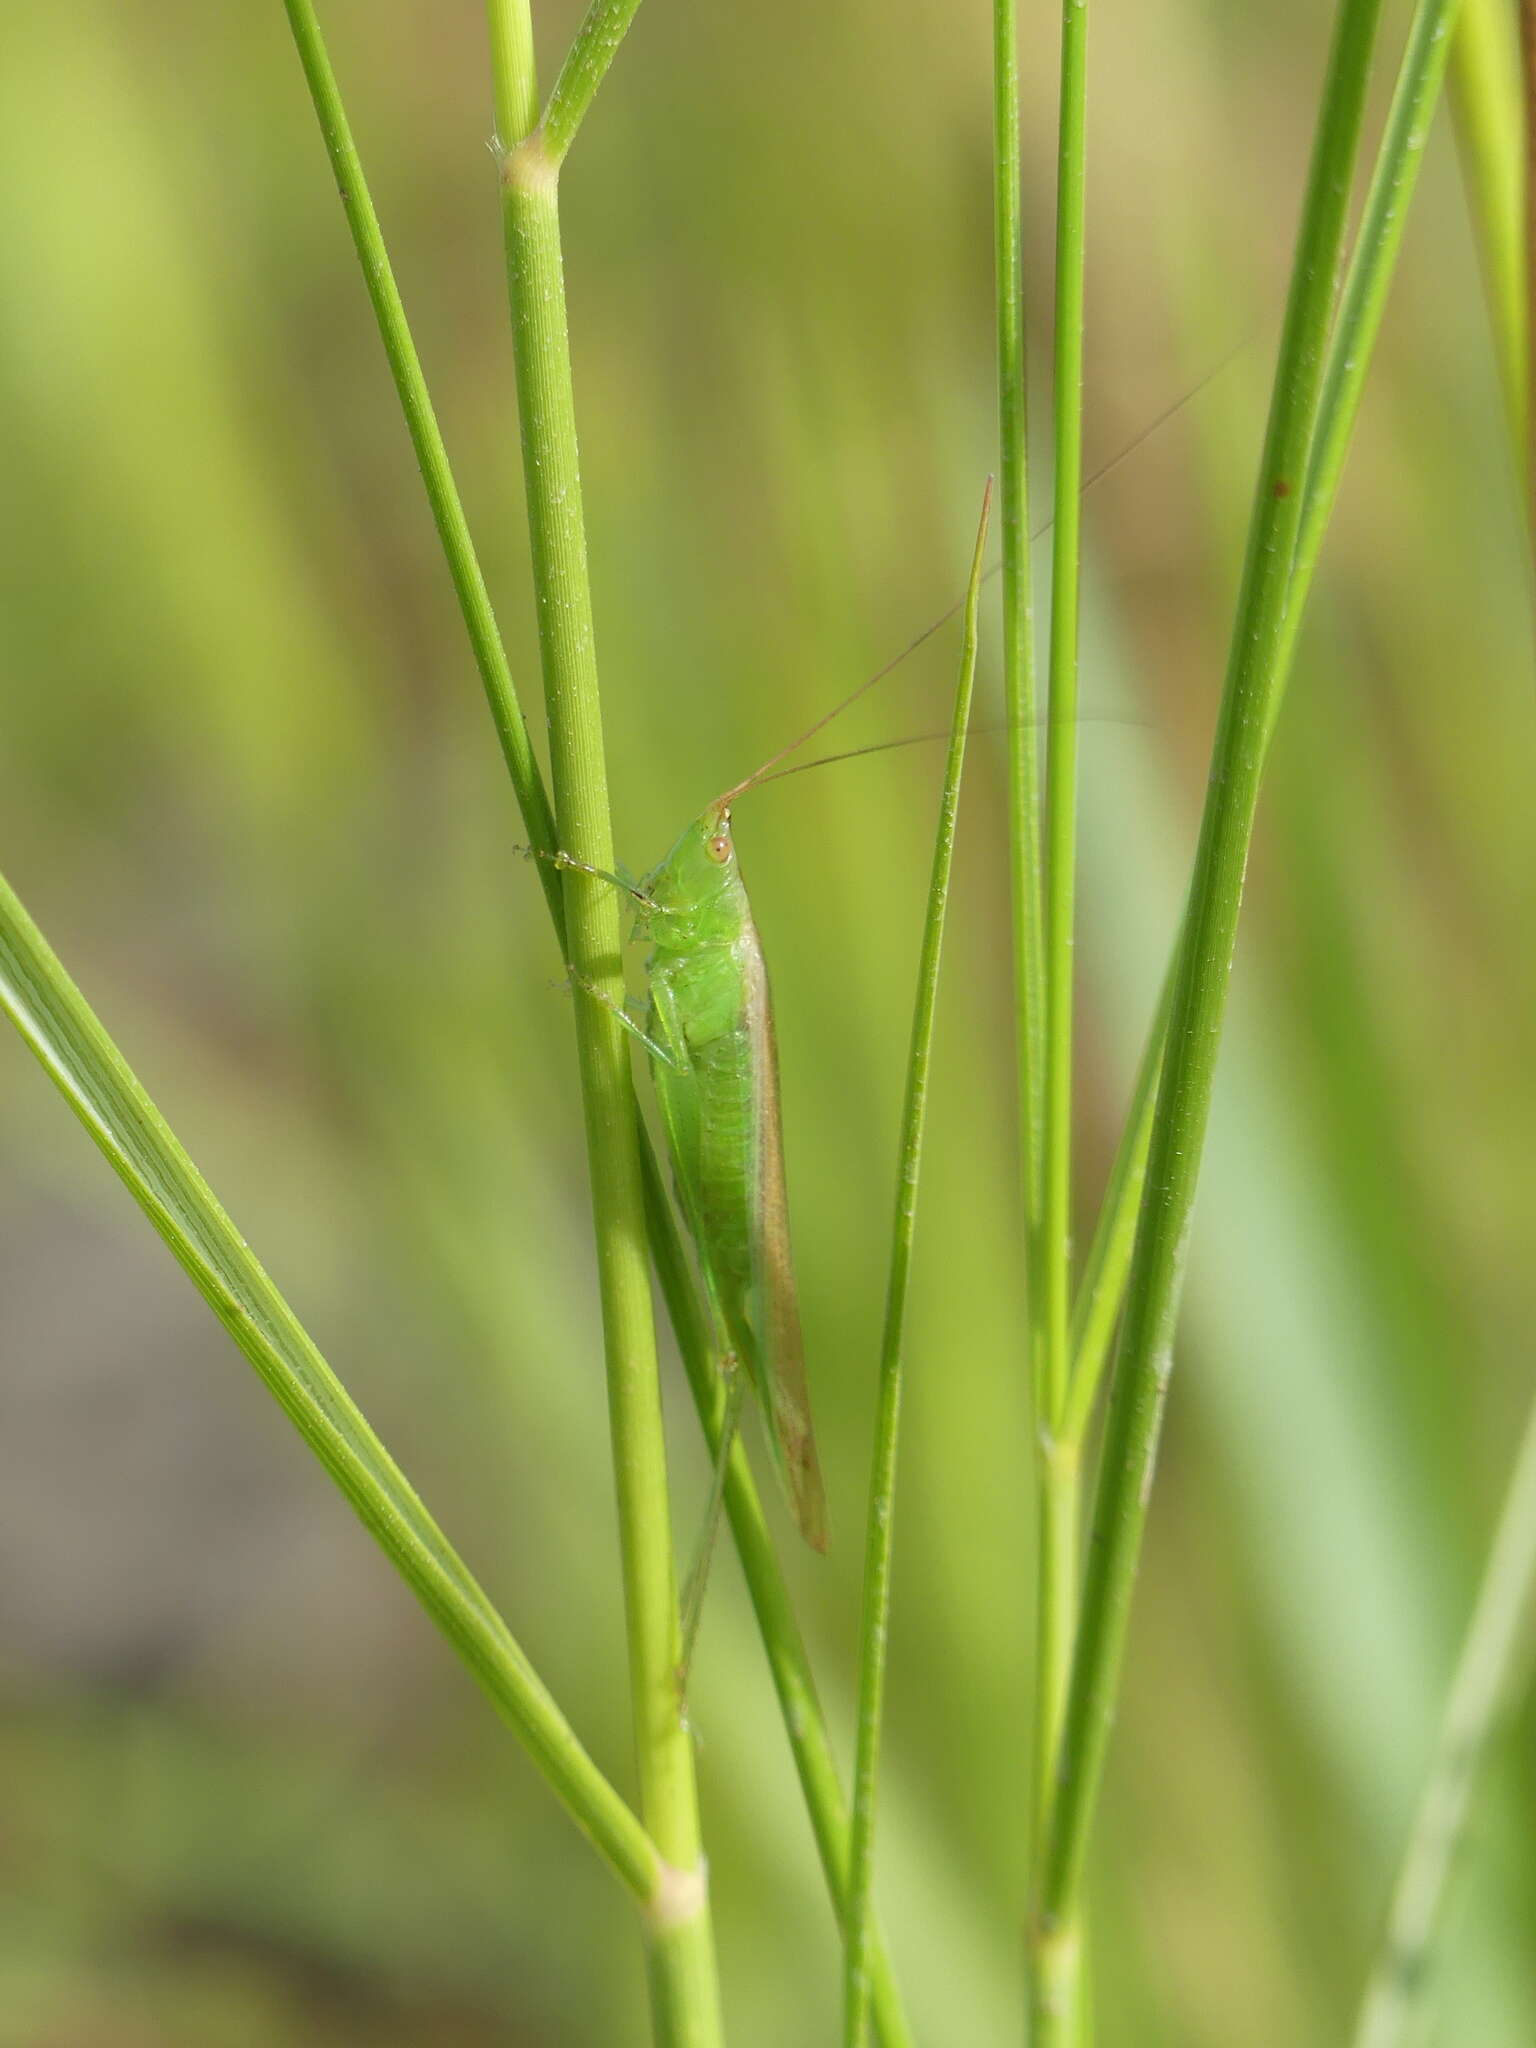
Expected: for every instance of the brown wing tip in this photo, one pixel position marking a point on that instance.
(810, 1499)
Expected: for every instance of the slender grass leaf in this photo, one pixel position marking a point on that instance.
(74, 1049)
(878, 1552)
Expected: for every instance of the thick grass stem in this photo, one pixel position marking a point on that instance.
(685, 1998)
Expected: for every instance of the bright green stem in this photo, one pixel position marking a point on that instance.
(787, 1659)
(1058, 1991)
(1061, 757)
(426, 439)
(685, 1998)
(1394, 1995)
(1205, 957)
(880, 1532)
(1485, 99)
(1527, 16)
(1350, 349)
(1108, 1264)
(514, 70)
(1060, 1566)
(1020, 690)
(1021, 700)
(1399, 158)
(1055, 2008)
(69, 1040)
(596, 44)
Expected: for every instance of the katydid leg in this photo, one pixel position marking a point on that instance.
(677, 1061)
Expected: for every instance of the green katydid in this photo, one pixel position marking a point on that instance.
(714, 1061)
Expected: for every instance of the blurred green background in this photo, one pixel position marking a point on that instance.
(249, 788)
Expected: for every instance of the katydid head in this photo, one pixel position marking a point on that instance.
(700, 867)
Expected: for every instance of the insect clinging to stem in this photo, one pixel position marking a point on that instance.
(714, 1062)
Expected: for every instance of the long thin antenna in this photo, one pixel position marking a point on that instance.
(917, 739)
(765, 772)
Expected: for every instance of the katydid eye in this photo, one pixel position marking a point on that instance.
(719, 848)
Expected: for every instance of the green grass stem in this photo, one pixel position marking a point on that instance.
(593, 50)
(1020, 687)
(1061, 752)
(1394, 1995)
(1485, 101)
(80, 1058)
(880, 1530)
(1526, 13)
(685, 1993)
(788, 1661)
(1363, 305)
(427, 440)
(1059, 1468)
(1101, 1292)
(1205, 957)
(1021, 707)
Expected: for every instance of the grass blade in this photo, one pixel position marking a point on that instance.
(1364, 302)
(1101, 1291)
(1061, 754)
(1485, 96)
(1480, 1686)
(427, 440)
(878, 1547)
(73, 1047)
(1205, 958)
(586, 65)
(1020, 691)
